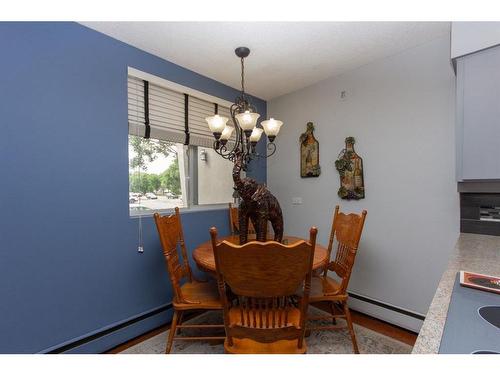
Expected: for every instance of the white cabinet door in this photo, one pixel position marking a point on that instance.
(478, 115)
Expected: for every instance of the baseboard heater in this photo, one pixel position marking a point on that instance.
(387, 306)
(124, 324)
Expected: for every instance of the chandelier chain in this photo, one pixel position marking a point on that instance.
(242, 76)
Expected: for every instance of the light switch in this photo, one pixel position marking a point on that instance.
(297, 200)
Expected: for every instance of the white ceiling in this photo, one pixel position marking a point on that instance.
(285, 56)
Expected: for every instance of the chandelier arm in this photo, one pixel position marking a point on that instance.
(251, 107)
(238, 130)
(222, 151)
(271, 147)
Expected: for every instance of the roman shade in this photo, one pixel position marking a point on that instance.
(166, 111)
(169, 115)
(198, 110)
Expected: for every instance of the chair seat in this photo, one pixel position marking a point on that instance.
(247, 346)
(201, 295)
(324, 287)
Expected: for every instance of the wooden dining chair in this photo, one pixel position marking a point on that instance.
(257, 284)
(191, 295)
(346, 230)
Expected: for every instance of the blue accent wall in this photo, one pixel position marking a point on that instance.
(69, 264)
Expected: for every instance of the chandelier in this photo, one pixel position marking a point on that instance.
(247, 131)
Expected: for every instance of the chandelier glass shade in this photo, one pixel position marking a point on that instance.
(246, 130)
(226, 133)
(217, 125)
(272, 128)
(247, 120)
(256, 133)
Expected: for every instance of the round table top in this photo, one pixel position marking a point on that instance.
(203, 255)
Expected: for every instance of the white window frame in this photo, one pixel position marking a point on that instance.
(188, 155)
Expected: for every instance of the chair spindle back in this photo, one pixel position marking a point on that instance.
(172, 238)
(346, 229)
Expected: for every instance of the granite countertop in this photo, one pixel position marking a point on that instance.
(473, 252)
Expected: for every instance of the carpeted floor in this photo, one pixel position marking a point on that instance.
(319, 342)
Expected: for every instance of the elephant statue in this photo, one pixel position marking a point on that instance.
(257, 204)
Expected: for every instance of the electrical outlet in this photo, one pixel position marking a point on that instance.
(297, 200)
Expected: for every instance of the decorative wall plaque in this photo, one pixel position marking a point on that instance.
(350, 168)
(309, 153)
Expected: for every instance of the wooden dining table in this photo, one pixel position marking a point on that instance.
(203, 255)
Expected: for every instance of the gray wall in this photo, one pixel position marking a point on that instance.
(401, 112)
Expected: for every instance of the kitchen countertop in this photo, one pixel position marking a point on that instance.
(473, 252)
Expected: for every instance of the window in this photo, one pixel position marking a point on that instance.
(155, 179)
(176, 166)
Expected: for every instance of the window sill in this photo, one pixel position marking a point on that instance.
(184, 210)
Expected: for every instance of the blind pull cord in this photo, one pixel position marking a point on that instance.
(140, 245)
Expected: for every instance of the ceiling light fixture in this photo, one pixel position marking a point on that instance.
(247, 131)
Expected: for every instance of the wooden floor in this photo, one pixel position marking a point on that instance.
(386, 329)
(361, 319)
(138, 340)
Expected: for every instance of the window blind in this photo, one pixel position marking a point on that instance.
(166, 111)
(200, 134)
(167, 115)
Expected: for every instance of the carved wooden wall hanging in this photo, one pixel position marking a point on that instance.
(350, 168)
(309, 153)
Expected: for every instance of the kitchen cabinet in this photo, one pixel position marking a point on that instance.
(478, 115)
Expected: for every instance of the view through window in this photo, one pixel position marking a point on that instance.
(156, 175)
(158, 171)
